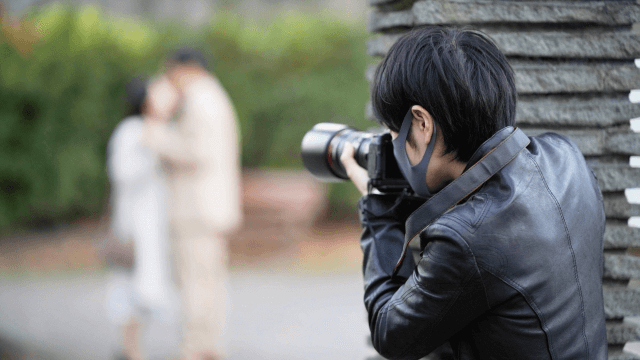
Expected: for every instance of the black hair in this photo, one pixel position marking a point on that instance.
(135, 92)
(459, 76)
(188, 55)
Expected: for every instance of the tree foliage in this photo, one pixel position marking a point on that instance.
(63, 71)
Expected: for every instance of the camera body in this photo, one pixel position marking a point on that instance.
(323, 144)
(384, 173)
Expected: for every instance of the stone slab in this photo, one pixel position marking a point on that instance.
(568, 110)
(440, 12)
(620, 333)
(598, 142)
(623, 143)
(622, 355)
(370, 72)
(380, 45)
(616, 177)
(380, 20)
(618, 235)
(621, 301)
(616, 206)
(621, 266)
(612, 160)
(549, 78)
(572, 110)
(473, 12)
(552, 78)
(592, 44)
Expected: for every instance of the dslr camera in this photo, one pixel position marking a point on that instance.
(324, 143)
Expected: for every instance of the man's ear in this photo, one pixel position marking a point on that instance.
(423, 124)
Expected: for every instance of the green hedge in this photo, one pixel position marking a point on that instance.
(61, 97)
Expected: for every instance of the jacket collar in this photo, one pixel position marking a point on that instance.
(489, 145)
(512, 142)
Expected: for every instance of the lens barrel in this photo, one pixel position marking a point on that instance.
(323, 144)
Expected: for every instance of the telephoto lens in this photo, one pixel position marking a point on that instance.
(323, 145)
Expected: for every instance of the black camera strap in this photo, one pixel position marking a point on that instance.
(460, 188)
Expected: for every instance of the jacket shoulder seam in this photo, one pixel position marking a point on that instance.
(573, 255)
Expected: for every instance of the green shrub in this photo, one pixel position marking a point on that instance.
(62, 97)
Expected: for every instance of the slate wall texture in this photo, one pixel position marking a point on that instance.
(574, 65)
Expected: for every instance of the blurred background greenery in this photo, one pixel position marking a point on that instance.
(63, 71)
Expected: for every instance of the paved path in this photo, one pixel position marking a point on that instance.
(300, 301)
(275, 315)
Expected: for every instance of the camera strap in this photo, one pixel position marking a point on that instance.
(467, 183)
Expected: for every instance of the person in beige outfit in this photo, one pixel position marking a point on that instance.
(201, 157)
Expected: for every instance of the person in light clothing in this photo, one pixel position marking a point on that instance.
(201, 157)
(139, 215)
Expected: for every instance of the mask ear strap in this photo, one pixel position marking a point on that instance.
(424, 162)
(403, 134)
(429, 151)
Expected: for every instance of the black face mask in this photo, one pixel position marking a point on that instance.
(415, 175)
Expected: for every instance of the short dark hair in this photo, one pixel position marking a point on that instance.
(188, 55)
(135, 92)
(458, 75)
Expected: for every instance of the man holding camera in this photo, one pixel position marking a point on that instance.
(512, 229)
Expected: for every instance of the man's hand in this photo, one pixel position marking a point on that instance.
(358, 175)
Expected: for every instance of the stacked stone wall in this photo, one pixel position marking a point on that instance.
(574, 68)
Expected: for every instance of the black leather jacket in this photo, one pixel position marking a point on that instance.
(512, 272)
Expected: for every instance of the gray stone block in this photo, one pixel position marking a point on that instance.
(598, 142)
(379, 20)
(596, 161)
(368, 111)
(588, 110)
(623, 143)
(616, 206)
(567, 110)
(593, 44)
(618, 354)
(484, 12)
(475, 12)
(380, 45)
(618, 235)
(560, 78)
(620, 333)
(616, 177)
(621, 266)
(621, 301)
(370, 72)
(548, 78)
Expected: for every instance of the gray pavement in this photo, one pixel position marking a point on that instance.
(276, 314)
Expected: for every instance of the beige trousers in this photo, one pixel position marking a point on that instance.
(202, 272)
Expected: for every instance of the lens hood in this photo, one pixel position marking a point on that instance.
(316, 151)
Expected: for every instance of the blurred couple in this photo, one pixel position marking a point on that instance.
(175, 175)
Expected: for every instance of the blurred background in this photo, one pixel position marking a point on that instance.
(296, 287)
